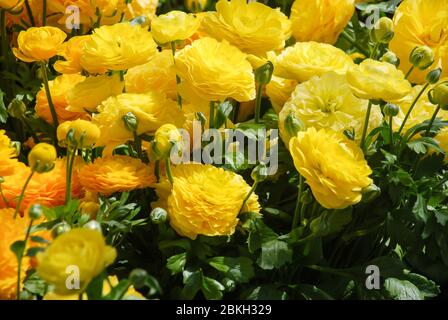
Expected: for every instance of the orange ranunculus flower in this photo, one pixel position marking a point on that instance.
(7, 155)
(59, 88)
(72, 52)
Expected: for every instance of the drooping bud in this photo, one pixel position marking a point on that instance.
(434, 76)
(383, 31)
(391, 110)
(391, 58)
(422, 57)
(42, 157)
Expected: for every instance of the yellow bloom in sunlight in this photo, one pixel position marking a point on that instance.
(59, 88)
(442, 139)
(279, 90)
(373, 79)
(47, 189)
(88, 94)
(205, 200)
(39, 44)
(320, 20)
(307, 59)
(212, 70)
(253, 27)
(174, 25)
(83, 248)
(327, 102)
(85, 133)
(156, 75)
(72, 52)
(130, 294)
(11, 230)
(140, 8)
(8, 155)
(116, 174)
(417, 23)
(117, 47)
(151, 110)
(332, 165)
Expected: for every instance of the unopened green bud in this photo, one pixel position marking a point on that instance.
(158, 215)
(260, 173)
(370, 193)
(439, 95)
(293, 125)
(383, 31)
(263, 74)
(16, 108)
(391, 58)
(422, 57)
(59, 229)
(138, 277)
(391, 110)
(130, 121)
(434, 76)
(35, 211)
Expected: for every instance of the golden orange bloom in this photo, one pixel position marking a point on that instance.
(116, 174)
(7, 155)
(72, 52)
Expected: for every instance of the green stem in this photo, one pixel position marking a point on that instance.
(432, 120)
(374, 51)
(412, 107)
(168, 170)
(71, 155)
(4, 38)
(44, 13)
(22, 193)
(212, 115)
(366, 124)
(20, 257)
(258, 103)
(173, 50)
(54, 116)
(3, 197)
(391, 132)
(29, 12)
(298, 209)
(409, 72)
(138, 145)
(252, 190)
(347, 37)
(329, 270)
(157, 170)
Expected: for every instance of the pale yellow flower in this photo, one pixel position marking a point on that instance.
(174, 25)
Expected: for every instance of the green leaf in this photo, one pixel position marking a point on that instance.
(192, 283)
(427, 287)
(31, 252)
(212, 289)
(266, 292)
(37, 239)
(237, 269)
(223, 111)
(259, 233)
(177, 263)
(274, 254)
(18, 248)
(420, 208)
(118, 292)
(310, 292)
(417, 146)
(402, 289)
(3, 110)
(95, 288)
(331, 221)
(35, 285)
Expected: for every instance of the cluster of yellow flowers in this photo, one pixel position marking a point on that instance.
(126, 80)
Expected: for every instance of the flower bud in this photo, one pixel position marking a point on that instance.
(59, 229)
(391, 110)
(370, 193)
(439, 95)
(42, 157)
(35, 211)
(130, 121)
(391, 58)
(137, 277)
(229, 284)
(16, 108)
(293, 125)
(158, 215)
(195, 5)
(263, 74)
(165, 138)
(260, 173)
(93, 225)
(422, 57)
(90, 208)
(79, 133)
(434, 76)
(383, 31)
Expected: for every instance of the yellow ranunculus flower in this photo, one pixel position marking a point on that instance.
(11, 5)
(112, 174)
(279, 90)
(205, 200)
(80, 248)
(421, 22)
(140, 8)
(253, 27)
(307, 59)
(42, 157)
(88, 94)
(39, 44)
(72, 52)
(373, 79)
(117, 47)
(174, 25)
(442, 139)
(164, 139)
(59, 88)
(156, 75)
(327, 102)
(151, 110)
(332, 165)
(85, 133)
(212, 70)
(320, 20)
(7, 155)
